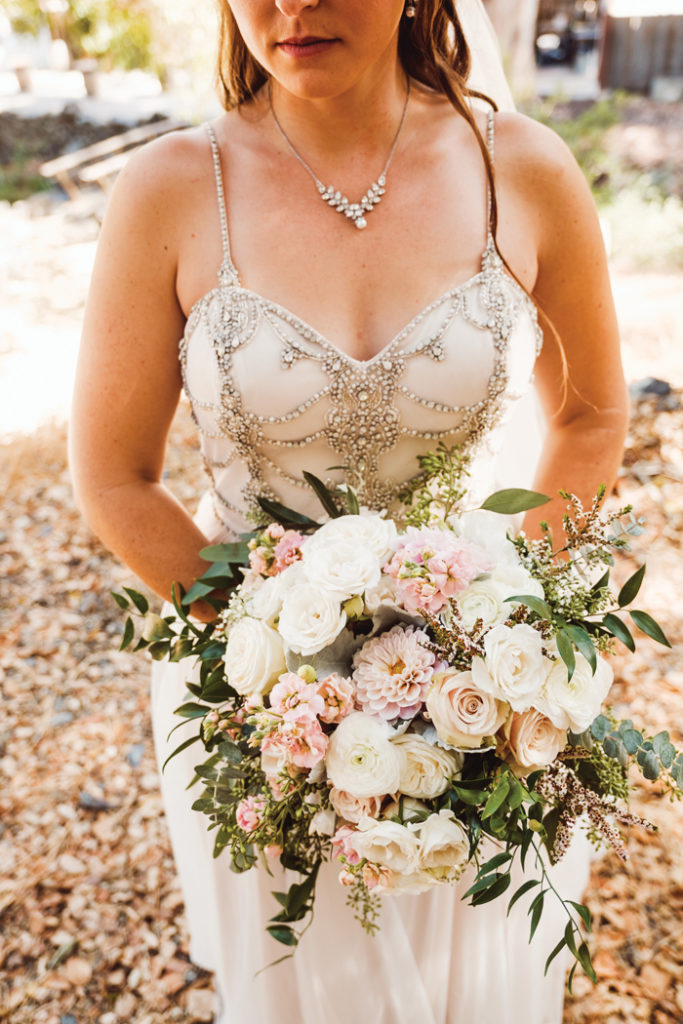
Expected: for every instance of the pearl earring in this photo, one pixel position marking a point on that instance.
(411, 9)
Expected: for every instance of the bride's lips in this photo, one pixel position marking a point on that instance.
(306, 46)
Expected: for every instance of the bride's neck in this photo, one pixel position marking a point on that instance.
(360, 121)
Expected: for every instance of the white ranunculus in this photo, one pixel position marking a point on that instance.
(341, 566)
(387, 843)
(310, 618)
(353, 808)
(444, 845)
(254, 657)
(515, 668)
(533, 740)
(369, 530)
(361, 759)
(575, 704)
(463, 715)
(426, 770)
(323, 823)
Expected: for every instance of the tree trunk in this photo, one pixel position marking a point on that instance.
(515, 24)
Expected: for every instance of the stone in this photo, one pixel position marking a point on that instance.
(200, 1004)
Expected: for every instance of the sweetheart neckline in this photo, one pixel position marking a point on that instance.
(325, 342)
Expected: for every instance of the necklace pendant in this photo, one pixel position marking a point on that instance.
(355, 212)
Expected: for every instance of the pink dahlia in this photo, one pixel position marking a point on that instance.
(392, 673)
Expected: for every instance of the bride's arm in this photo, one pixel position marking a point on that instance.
(581, 384)
(128, 381)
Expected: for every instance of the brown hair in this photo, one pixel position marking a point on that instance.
(432, 49)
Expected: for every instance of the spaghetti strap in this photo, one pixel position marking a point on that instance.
(491, 144)
(227, 273)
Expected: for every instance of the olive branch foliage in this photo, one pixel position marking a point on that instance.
(529, 819)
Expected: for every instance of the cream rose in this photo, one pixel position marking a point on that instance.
(254, 657)
(444, 845)
(575, 704)
(533, 740)
(387, 843)
(515, 667)
(341, 566)
(353, 808)
(462, 714)
(370, 530)
(265, 601)
(487, 530)
(310, 618)
(426, 769)
(323, 823)
(361, 759)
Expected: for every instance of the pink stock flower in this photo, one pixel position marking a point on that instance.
(294, 698)
(258, 561)
(341, 843)
(293, 745)
(392, 673)
(375, 874)
(288, 549)
(275, 531)
(249, 813)
(338, 696)
(432, 565)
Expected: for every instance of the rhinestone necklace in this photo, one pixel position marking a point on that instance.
(355, 212)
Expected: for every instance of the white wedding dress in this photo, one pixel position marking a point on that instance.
(272, 397)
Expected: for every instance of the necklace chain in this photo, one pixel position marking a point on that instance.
(355, 212)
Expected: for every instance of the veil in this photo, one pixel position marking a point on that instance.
(487, 74)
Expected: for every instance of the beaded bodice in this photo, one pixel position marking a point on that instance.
(273, 397)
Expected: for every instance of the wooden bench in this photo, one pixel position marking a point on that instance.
(100, 162)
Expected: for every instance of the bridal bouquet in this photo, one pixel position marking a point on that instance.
(411, 697)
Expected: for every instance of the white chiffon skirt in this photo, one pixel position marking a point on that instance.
(435, 960)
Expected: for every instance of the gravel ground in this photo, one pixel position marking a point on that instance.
(91, 917)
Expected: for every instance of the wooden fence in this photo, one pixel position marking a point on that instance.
(636, 50)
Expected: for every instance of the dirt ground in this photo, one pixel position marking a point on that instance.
(92, 924)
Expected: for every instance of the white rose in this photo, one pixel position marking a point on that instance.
(323, 823)
(387, 843)
(254, 657)
(341, 566)
(518, 580)
(352, 808)
(515, 667)
(426, 770)
(384, 593)
(533, 740)
(485, 599)
(266, 600)
(463, 715)
(369, 530)
(361, 759)
(444, 846)
(487, 530)
(310, 618)
(575, 704)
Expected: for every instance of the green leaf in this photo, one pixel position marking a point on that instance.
(493, 863)
(352, 502)
(582, 639)
(584, 957)
(191, 710)
(323, 494)
(677, 771)
(522, 890)
(536, 913)
(281, 933)
(584, 913)
(61, 954)
(651, 628)
(569, 938)
(619, 629)
(667, 755)
(496, 798)
(516, 794)
(197, 591)
(501, 884)
(183, 745)
(230, 751)
(601, 583)
(286, 516)
(128, 634)
(234, 554)
(558, 949)
(649, 763)
(483, 883)
(513, 500)
(536, 604)
(566, 649)
(630, 589)
(121, 601)
(570, 979)
(600, 727)
(631, 739)
(470, 796)
(139, 600)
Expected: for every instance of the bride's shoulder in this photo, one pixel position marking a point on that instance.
(532, 156)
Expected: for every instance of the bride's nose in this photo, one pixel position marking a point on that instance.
(292, 8)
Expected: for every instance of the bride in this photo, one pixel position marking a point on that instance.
(311, 330)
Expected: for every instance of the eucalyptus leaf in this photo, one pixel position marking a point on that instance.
(632, 739)
(649, 763)
(512, 500)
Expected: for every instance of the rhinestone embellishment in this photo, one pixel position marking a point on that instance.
(355, 211)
